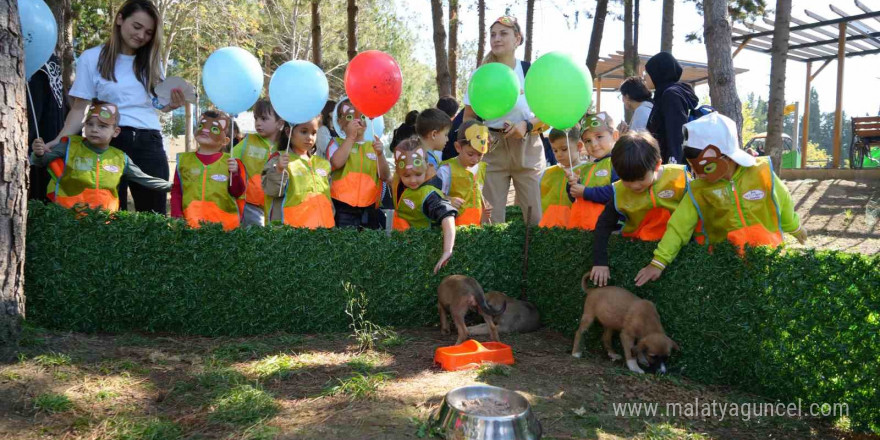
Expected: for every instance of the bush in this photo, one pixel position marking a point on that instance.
(801, 324)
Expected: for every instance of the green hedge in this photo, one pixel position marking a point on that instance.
(787, 325)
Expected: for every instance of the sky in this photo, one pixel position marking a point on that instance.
(553, 32)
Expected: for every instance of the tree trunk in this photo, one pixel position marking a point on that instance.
(722, 78)
(352, 29)
(64, 17)
(778, 51)
(481, 38)
(13, 178)
(444, 80)
(316, 34)
(629, 64)
(530, 25)
(596, 36)
(453, 45)
(294, 46)
(666, 26)
(636, 60)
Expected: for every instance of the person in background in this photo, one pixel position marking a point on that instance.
(49, 110)
(405, 130)
(673, 102)
(637, 99)
(326, 133)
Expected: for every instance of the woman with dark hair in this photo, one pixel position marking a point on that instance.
(326, 133)
(515, 153)
(406, 130)
(124, 71)
(673, 103)
(637, 99)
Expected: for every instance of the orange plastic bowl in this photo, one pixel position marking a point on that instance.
(470, 354)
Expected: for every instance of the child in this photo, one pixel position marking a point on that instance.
(592, 189)
(208, 183)
(306, 185)
(417, 201)
(464, 175)
(645, 197)
(433, 127)
(253, 151)
(738, 197)
(556, 198)
(87, 170)
(359, 168)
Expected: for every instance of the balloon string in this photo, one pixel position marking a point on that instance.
(231, 142)
(284, 171)
(33, 110)
(568, 147)
(373, 127)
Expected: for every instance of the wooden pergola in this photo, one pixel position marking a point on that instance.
(609, 73)
(819, 41)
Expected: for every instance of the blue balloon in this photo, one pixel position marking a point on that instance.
(39, 32)
(298, 91)
(233, 79)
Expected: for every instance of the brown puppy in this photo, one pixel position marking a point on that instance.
(636, 319)
(518, 317)
(458, 294)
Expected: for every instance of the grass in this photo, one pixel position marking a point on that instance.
(104, 395)
(153, 428)
(358, 385)
(121, 366)
(52, 359)
(491, 369)
(53, 403)
(243, 405)
(362, 364)
(277, 366)
(665, 431)
(220, 377)
(241, 351)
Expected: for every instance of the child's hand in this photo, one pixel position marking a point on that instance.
(515, 131)
(378, 146)
(801, 236)
(232, 164)
(352, 128)
(600, 274)
(283, 161)
(622, 127)
(648, 273)
(577, 191)
(487, 216)
(39, 147)
(442, 262)
(456, 202)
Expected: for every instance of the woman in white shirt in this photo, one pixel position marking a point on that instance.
(514, 152)
(636, 98)
(124, 71)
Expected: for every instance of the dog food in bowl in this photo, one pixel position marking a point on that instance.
(487, 407)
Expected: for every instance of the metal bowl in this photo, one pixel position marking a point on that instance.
(457, 423)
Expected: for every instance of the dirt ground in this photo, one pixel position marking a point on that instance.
(132, 386)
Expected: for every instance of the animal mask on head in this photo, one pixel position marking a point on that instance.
(478, 138)
(349, 113)
(214, 127)
(410, 160)
(710, 163)
(106, 113)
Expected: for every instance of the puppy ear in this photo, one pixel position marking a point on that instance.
(674, 345)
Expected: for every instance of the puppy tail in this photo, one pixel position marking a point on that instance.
(484, 306)
(585, 283)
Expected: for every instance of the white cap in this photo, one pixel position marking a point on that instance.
(720, 131)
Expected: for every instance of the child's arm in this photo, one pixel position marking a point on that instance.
(606, 224)
(340, 155)
(237, 177)
(272, 174)
(679, 230)
(176, 197)
(448, 225)
(791, 222)
(598, 194)
(440, 210)
(381, 162)
(42, 155)
(134, 174)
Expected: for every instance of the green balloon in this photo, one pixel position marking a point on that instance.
(559, 90)
(493, 90)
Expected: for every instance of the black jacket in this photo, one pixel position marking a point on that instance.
(673, 102)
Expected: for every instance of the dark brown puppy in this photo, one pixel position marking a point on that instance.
(636, 319)
(457, 294)
(518, 317)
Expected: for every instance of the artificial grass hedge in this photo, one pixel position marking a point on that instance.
(787, 325)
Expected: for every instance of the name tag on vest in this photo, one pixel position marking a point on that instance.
(666, 194)
(111, 168)
(219, 177)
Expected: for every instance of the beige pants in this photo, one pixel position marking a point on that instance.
(522, 161)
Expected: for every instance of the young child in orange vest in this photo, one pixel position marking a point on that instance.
(359, 168)
(297, 182)
(253, 151)
(209, 182)
(556, 198)
(86, 169)
(738, 197)
(463, 176)
(591, 187)
(644, 198)
(418, 202)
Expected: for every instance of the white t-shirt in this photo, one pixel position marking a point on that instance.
(135, 104)
(520, 111)
(639, 121)
(445, 175)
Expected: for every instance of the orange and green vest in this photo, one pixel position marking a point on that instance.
(744, 212)
(585, 213)
(408, 211)
(468, 187)
(357, 183)
(205, 191)
(87, 177)
(306, 201)
(646, 214)
(555, 200)
(253, 152)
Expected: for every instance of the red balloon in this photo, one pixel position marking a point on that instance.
(373, 82)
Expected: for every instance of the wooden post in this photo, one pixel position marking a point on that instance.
(806, 124)
(740, 47)
(598, 94)
(838, 108)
